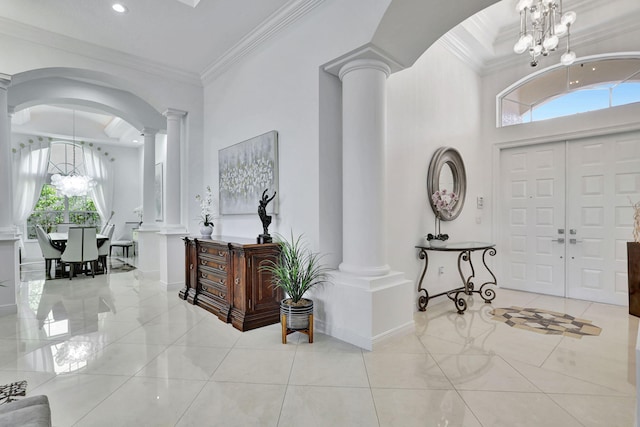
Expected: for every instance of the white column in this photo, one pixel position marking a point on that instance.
(148, 179)
(173, 177)
(366, 302)
(6, 207)
(363, 167)
(9, 265)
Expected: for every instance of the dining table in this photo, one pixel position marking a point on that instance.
(59, 240)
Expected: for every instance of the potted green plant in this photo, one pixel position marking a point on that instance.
(297, 270)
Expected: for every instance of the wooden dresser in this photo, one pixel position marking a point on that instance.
(222, 275)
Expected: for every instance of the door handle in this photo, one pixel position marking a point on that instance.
(559, 240)
(574, 241)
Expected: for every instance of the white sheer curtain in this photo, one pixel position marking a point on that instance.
(100, 169)
(30, 164)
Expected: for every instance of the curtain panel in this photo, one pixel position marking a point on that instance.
(100, 170)
(29, 174)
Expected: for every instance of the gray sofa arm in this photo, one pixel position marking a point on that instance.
(33, 411)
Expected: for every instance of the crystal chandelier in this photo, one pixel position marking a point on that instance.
(72, 184)
(542, 23)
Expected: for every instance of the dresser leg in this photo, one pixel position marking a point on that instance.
(311, 328)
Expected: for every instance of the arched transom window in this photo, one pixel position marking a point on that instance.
(586, 85)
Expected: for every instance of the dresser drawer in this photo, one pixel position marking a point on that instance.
(217, 265)
(212, 276)
(213, 288)
(216, 252)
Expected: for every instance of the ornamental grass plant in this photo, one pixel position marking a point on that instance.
(297, 270)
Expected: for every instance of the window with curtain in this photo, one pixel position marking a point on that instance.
(562, 91)
(52, 210)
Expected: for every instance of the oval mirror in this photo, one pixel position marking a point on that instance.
(446, 172)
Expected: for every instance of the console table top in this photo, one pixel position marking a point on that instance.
(458, 246)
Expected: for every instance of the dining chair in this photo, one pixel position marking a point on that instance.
(48, 251)
(90, 248)
(103, 251)
(72, 254)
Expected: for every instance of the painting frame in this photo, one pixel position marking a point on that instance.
(158, 191)
(245, 171)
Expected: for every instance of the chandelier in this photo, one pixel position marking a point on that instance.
(542, 23)
(72, 184)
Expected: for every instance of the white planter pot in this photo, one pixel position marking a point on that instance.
(206, 230)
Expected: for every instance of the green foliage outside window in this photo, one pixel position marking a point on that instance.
(50, 211)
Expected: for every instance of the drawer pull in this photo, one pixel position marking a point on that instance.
(203, 261)
(222, 253)
(237, 281)
(190, 266)
(203, 250)
(204, 275)
(222, 267)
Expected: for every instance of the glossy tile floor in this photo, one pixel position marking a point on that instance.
(118, 351)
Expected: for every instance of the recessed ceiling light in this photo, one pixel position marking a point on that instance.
(120, 8)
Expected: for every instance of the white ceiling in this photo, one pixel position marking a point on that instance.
(195, 36)
(167, 32)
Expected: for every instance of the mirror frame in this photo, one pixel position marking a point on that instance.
(451, 157)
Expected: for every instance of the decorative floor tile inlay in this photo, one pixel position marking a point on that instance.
(545, 322)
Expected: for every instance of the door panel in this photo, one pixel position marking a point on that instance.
(604, 174)
(532, 196)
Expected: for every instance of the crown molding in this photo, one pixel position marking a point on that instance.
(461, 49)
(68, 44)
(279, 20)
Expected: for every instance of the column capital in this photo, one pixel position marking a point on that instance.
(368, 52)
(364, 64)
(149, 131)
(174, 113)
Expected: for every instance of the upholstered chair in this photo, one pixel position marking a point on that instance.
(72, 254)
(103, 251)
(90, 249)
(48, 251)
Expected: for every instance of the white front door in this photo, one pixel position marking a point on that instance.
(565, 220)
(532, 210)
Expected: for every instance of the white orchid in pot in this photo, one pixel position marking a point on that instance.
(206, 217)
(296, 271)
(443, 201)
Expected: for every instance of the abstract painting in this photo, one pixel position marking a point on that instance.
(247, 169)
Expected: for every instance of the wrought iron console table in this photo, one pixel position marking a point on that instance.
(468, 287)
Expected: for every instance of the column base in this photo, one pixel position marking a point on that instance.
(9, 274)
(148, 252)
(172, 258)
(365, 311)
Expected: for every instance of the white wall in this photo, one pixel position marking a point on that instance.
(277, 88)
(432, 104)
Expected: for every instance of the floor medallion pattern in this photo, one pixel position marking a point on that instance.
(545, 322)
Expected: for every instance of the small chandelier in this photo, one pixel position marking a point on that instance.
(542, 23)
(72, 184)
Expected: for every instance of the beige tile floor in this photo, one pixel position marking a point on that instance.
(118, 351)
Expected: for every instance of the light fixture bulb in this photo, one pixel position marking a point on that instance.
(119, 7)
(568, 58)
(537, 49)
(520, 47)
(550, 43)
(568, 18)
(560, 30)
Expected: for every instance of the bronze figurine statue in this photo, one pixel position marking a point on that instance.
(266, 219)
